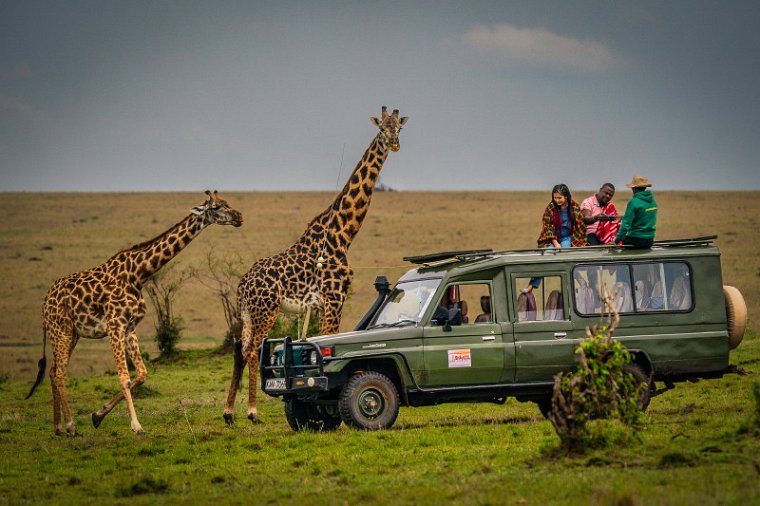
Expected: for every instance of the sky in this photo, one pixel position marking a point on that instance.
(277, 96)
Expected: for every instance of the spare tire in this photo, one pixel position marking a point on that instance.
(736, 314)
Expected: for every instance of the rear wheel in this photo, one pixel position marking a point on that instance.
(544, 406)
(308, 416)
(369, 401)
(642, 378)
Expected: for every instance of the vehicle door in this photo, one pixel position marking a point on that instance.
(463, 346)
(545, 335)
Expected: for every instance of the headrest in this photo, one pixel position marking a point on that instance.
(485, 303)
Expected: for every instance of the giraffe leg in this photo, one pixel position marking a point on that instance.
(142, 374)
(237, 368)
(117, 337)
(252, 360)
(63, 343)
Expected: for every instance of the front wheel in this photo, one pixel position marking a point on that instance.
(369, 401)
(307, 416)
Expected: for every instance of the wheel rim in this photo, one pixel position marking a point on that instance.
(371, 403)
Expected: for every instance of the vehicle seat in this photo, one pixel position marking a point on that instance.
(554, 307)
(584, 296)
(463, 309)
(526, 307)
(485, 306)
(680, 294)
(623, 298)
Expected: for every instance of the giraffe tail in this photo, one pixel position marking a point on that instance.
(42, 365)
(238, 364)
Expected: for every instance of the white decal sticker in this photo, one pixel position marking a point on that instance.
(460, 358)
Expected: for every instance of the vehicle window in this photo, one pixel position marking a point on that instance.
(662, 286)
(464, 304)
(539, 299)
(591, 281)
(635, 288)
(406, 303)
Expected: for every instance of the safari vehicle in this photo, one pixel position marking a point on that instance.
(421, 343)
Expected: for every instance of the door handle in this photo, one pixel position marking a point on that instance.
(488, 338)
(560, 335)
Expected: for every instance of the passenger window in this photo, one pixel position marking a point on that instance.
(539, 299)
(454, 306)
(639, 288)
(662, 286)
(590, 282)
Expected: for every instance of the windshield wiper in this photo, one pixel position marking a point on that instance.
(394, 324)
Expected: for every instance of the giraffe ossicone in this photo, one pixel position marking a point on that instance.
(314, 273)
(107, 301)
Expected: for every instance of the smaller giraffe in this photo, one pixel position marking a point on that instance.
(107, 301)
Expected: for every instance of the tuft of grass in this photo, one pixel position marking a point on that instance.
(143, 486)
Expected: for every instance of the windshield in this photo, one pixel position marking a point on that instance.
(406, 303)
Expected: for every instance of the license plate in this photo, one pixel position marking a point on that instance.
(275, 384)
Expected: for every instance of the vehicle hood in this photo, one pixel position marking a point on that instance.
(380, 335)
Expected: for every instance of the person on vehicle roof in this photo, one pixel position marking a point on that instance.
(562, 225)
(601, 217)
(639, 222)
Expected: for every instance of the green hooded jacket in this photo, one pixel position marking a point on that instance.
(640, 218)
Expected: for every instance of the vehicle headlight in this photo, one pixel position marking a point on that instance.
(313, 357)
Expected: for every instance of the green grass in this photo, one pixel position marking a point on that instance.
(698, 446)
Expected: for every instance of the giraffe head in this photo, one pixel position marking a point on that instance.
(216, 211)
(390, 125)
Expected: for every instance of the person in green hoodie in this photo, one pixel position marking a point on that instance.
(640, 219)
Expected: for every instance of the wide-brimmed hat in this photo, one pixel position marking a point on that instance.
(639, 182)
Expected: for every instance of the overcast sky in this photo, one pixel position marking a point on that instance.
(500, 95)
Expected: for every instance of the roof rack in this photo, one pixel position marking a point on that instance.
(454, 256)
(446, 255)
(694, 241)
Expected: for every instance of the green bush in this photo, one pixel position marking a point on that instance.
(602, 388)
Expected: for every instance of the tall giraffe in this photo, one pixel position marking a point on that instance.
(107, 301)
(313, 273)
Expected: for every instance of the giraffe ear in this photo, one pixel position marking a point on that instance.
(403, 120)
(197, 210)
(375, 121)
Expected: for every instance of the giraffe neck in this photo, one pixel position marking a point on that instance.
(143, 260)
(345, 216)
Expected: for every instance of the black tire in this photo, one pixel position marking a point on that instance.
(307, 416)
(641, 378)
(544, 406)
(369, 401)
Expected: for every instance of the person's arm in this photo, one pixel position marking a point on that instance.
(586, 211)
(625, 223)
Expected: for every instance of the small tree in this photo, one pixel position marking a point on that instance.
(601, 387)
(222, 279)
(162, 289)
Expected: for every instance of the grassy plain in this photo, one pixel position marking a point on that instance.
(45, 236)
(696, 445)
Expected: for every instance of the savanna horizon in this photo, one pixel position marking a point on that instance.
(47, 235)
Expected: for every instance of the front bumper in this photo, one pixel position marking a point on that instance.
(284, 367)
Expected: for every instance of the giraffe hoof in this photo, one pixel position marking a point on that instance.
(254, 418)
(140, 432)
(228, 419)
(96, 419)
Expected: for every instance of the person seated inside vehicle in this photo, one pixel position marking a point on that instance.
(447, 311)
(485, 306)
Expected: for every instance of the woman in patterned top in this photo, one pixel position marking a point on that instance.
(563, 224)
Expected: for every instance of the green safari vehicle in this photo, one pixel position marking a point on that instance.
(485, 326)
